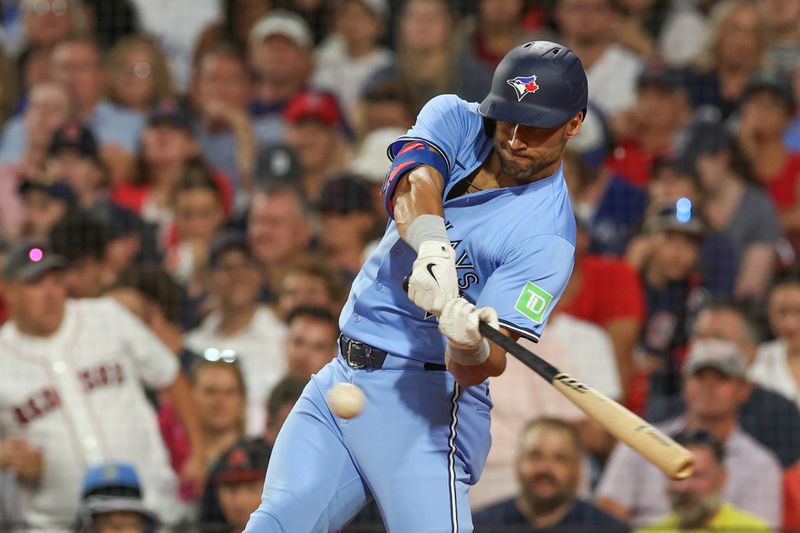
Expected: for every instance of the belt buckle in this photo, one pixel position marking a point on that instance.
(367, 355)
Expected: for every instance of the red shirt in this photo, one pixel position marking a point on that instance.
(791, 497)
(782, 187)
(610, 289)
(631, 162)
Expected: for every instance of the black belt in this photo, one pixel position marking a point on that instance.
(359, 355)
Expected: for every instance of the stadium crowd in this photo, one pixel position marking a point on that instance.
(187, 189)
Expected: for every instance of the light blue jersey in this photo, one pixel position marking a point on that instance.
(421, 440)
(514, 247)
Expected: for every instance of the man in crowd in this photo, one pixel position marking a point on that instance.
(73, 394)
(714, 391)
(697, 502)
(311, 340)
(74, 157)
(81, 240)
(548, 468)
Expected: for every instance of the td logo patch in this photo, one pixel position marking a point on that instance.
(533, 302)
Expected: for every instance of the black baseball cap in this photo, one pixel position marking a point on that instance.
(245, 461)
(678, 218)
(74, 136)
(344, 194)
(119, 221)
(278, 163)
(659, 77)
(30, 260)
(172, 115)
(60, 190)
(225, 242)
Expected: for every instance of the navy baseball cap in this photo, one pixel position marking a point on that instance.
(59, 190)
(658, 77)
(74, 136)
(245, 461)
(226, 242)
(30, 260)
(170, 114)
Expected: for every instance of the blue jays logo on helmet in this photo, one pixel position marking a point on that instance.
(524, 85)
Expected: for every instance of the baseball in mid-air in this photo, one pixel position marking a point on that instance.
(346, 400)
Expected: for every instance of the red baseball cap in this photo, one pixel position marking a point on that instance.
(315, 105)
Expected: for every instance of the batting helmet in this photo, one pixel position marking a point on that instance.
(540, 84)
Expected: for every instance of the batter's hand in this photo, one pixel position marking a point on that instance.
(433, 279)
(459, 323)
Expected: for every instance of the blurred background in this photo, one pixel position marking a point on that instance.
(188, 188)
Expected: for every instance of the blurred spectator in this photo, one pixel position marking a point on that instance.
(281, 61)
(81, 241)
(791, 137)
(496, 29)
(43, 206)
(351, 55)
(77, 65)
(733, 53)
(128, 239)
(279, 229)
(639, 25)
(199, 211)
(73, 157)
(714, 390)
(791, 497)
(428, 60)
(241, 324)
(385, 104)
(309, 282)
(99, 356)
(277, 163)
(609, 208)
(734, 206)
(587, 28)
(782, 18)
(697, 502)
(770, 418)
(237, 481)
(673, 293)
(235, 25)
(684, 32)
(219, 396)
(670, 181)
(46, 22)
(607, 292)
(138, 75)
(310, 341)
(280, 403)
(111, 501)
(548, 467)
(152, 295)
(650, 128)
(767, 107)
(316, 131)
(775, 366)
(176, 25)
(578, 348)
(112, 20)
(228, 137)
(47, 110)
(346, 209)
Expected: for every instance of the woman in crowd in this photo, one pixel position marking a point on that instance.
(138, 74)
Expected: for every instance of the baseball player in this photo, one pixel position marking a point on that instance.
(71, 395)
(483, 223)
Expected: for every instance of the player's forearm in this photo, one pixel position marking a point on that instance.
(417, 193)
(469, 375)
(179, 398)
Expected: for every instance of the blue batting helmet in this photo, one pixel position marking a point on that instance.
(540, 84)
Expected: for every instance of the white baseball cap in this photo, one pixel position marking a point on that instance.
(285, 23)
(371, 161)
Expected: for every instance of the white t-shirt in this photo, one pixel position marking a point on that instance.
(259, 348)
(771, 370)
(78, 396)
(612, 79)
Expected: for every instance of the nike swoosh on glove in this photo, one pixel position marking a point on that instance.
(433, 279)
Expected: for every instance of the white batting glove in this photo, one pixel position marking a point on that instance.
(433, 279)
(459, 323)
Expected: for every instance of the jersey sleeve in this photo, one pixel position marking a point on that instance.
(155, 365)
(527, 285)
(442, 125)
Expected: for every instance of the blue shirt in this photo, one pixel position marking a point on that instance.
(110, 124)
(514, 246)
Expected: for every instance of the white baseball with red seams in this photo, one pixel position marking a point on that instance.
(346, 400)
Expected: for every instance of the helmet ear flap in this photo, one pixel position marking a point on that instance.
(489, 126)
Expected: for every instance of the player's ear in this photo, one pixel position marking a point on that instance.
(573, 126)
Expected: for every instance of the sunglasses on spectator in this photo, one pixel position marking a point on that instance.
(225, 355)
(58, 7)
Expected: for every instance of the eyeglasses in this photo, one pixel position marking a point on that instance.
(57, 7)
(140, 71)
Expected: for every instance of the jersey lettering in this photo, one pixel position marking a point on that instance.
(38, 404)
